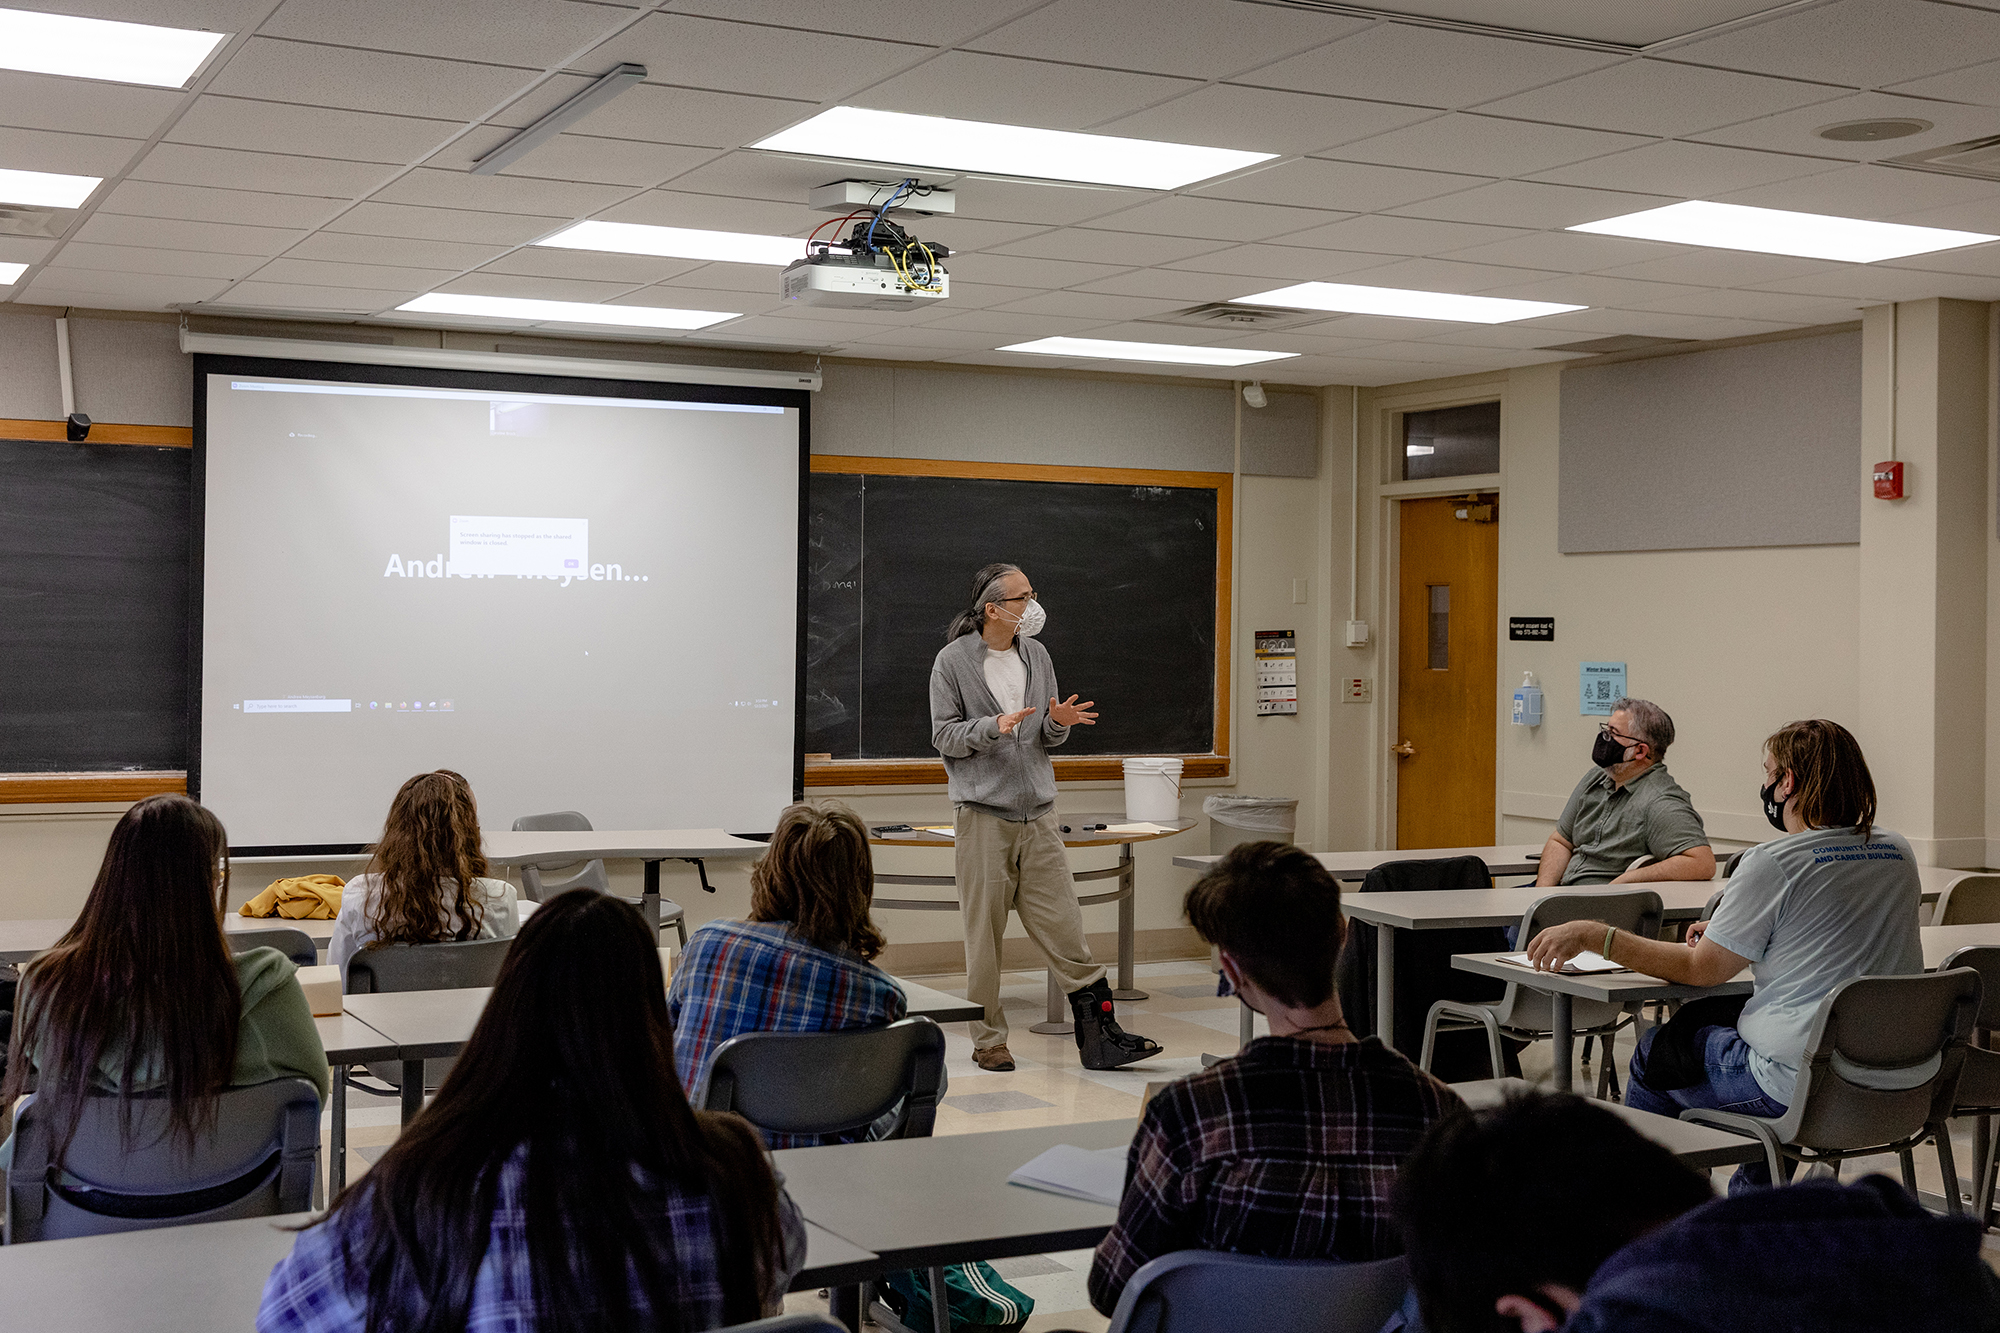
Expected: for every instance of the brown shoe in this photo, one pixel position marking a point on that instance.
(996, 1059)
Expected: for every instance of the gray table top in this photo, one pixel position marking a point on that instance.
(23, 939)
(513, 849)
(918, 1202)
(1698, 1145)
(1519, 859)
(1452, 908)
(1075, 838)
(349, 1041)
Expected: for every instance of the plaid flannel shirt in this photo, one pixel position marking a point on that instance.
(759, 976)
(1287, 1150)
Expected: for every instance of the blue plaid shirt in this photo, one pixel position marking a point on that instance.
(759, 976)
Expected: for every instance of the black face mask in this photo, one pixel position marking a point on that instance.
(1774, 809)
(1607, 751)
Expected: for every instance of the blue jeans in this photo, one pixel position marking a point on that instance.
(1730, 1086)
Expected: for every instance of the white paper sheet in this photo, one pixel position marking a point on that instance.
(1585, 962)
(1076, 1173)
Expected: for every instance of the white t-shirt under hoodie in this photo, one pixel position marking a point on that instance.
(351, 933)
(1007, 677)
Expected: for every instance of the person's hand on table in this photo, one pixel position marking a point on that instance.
(1070, 713)
(1695, 932)
(1556, 945)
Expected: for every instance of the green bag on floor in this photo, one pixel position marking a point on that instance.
(976, 1296)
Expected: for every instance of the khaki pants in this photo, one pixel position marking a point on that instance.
(1002, 866)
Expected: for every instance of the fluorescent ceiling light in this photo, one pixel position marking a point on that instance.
(46, 189)
(563, 312)
(632, 238)
(83, 48)
(852, 133)
(1176, 353)
(1405, 304)
(11, 274)
(1777, 231)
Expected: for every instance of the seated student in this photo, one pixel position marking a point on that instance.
(560, 1179)
(1548, 1211)
(1289, 1148)
(1833, 899)
(801, 963)
(426, 882)
(142, 994)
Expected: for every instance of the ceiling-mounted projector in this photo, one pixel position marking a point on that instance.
(880, 265)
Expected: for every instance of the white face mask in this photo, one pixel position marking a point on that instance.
(1031, 620)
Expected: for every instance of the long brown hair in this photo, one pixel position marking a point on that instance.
(143, 976)
(1830, 778)
(572, 1059)
(820, 877)
(431, 836)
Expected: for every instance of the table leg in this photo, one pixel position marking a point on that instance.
(336, 1161)
(649, 901)
(1128, 878)
(1058, 1023)
(413, 1089)
(1564, 1040)
(1385, 984)
(843, 1304)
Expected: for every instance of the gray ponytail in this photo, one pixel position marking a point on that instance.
(985, 584)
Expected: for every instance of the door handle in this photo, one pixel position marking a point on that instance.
(1405, 750)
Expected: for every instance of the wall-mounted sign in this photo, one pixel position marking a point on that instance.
(1277, 672)
(1599, 684)
(1533, 629)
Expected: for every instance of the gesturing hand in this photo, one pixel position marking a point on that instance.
(1070, 713)
(1009, 721)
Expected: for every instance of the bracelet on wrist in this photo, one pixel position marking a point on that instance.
(1609, 933)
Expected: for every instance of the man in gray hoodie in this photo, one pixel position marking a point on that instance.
(986, 690)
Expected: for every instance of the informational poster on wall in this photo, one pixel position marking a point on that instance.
(1599, 684)
(1277, 672)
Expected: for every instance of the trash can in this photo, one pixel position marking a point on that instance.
(1234, 819)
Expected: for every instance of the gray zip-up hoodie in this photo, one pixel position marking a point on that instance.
(1006, 776)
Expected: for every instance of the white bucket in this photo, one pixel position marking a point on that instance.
(1152, 790)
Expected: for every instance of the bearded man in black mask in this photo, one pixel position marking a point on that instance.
(1628, 807)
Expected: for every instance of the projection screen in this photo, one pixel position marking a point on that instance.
(581, 594)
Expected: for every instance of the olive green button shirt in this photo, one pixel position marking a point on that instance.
(1611, 827)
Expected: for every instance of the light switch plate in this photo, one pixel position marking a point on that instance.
(1357, 690)
(1299, 592)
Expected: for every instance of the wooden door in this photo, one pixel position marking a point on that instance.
(1447, 672)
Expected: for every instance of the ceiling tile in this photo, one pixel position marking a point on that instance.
(1448, 275)
(208, 204)
(1980, 215)
(579, 157)
(1565, 251)
(1013, 270)
(1122, 248)
(1349, 186)
(283, 127)
(988, 199)
(655, 114)
(1530, 336)
(1795, 131)
(50, 102)
(1394, 62)
(924, 338)
(1172, 284)
(699, 298)
(590, 265)
(1689, 170)
(325, 273)
(760, 280)
(71, 154)
(1289, 263)
(968, 86)
(402, 252)
(24, 249)
(293, 296)
(942, 22)
(116, 291)
(961, 234)
(1213, 219)
(1706, 267)
(772, 330)
(1526, 204)
(228, 168)
(1977, 260)
(771, 176)
(442, 224)
(535, 33)
(996, 325)
(1263, 120)
(1381, 328)
(487, 283)
(1860, 43)
(362, 80)
(498, 194)
(143, 259)
(1659, 97)
(216, 15)
(1485, 146)
(1874, 284)
(712, 212)
(1594, 290)
(1867, 192)
(691, 52)
(173, 234)
(1979, 84)
(1203, 39)
(1780, 307)
(1659, 324)
(1090, 305)
(1398, 236)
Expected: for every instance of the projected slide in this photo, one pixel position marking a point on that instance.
(580, 602)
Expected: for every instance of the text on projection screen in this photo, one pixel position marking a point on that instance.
(579, 603)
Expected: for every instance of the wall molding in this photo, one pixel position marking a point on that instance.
(74, 788)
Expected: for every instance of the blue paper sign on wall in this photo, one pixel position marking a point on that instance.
(1598, 683)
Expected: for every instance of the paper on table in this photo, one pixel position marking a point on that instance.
(1584, 962)
(1140, 827)
(1076, 1173)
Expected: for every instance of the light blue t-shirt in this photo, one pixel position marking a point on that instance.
(1811, 910)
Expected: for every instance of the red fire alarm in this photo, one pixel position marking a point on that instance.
(1888, 481)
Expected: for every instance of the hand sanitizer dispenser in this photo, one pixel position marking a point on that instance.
(1528, 702)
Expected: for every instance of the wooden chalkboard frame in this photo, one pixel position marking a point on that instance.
(894, 772)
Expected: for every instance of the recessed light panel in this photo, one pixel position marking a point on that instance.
(46, 189)
(1776, 231)
(562, 312)
(81, 48)
(1405, 304)
(632, 238)
(1165, 353)
(852, 133)
(11, 274)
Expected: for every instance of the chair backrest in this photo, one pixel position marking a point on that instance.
(1903, 1035)
(453, 965)
(539, 883)
(259, 1160)
(831, 1082)
(1734, 859)
(1206, 1291)
(1985, 960)
(1972, 901)
(1636, 910)
(293, 943)
(1714, 901)
(1449, 872)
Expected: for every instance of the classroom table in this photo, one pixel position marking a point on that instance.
(1057, 1021)
(1519, 859)
(347, 1041)
(22, 940)
(1700, 1146)
(651, 846)
(209, 1277)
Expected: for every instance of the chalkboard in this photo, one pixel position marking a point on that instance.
(93, 607)
(1127, 572)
